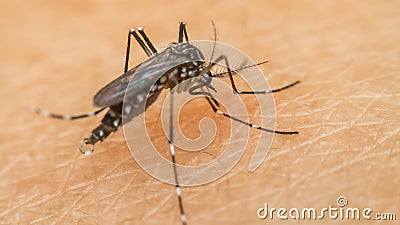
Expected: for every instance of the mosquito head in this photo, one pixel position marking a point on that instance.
(204, 71)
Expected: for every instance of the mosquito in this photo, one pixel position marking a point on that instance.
(141, 77)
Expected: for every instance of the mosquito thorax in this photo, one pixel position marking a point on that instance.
(192, 65)
(185, 50)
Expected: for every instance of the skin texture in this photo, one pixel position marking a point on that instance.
(57, 55)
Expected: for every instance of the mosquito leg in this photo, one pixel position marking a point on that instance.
(133, 33)
(200, 85)
(147, 40)
(203, 92)
(282, 88)
(172, 151)
(215, 106)
(46, 113)
(182, 31)
(223, 57)
(148, 49)
(216, 110)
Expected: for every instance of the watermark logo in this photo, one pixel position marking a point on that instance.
(341, 201)
(341, 212)
(138, 139)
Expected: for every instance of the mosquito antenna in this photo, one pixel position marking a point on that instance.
(215, 40)
(239, 69)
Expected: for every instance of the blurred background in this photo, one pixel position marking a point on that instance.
(57, 54)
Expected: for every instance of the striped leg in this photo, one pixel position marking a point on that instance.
(223, 57)
(148, 47)
(215, 108)
(46, 113)
(215, 105)
(172, 151)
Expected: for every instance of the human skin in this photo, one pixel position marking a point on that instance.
(56, 55)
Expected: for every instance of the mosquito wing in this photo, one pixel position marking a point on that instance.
(141, 78)
(137, 80)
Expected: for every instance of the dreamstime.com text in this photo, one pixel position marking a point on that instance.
(335, 213)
